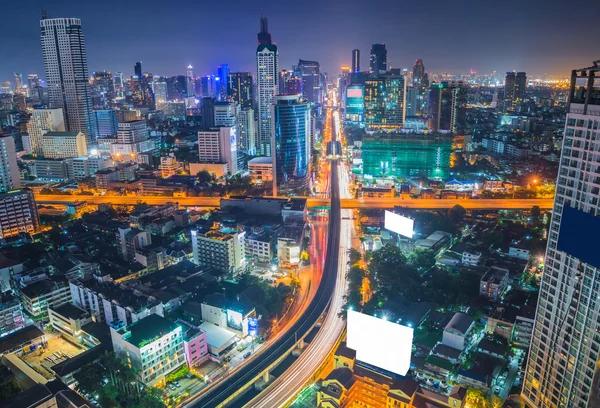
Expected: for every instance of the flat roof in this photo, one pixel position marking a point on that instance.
(150, 328)
(216, 336)
(70, 311)
(19, 337)
(218, 300)
(60, 134)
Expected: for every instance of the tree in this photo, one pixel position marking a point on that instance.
(353, 256)
(89, 378)
(457, 213)
(476, 398)
(9, 389)
(390, 273)
(535, 212)
(204, 177)
(151, 398)
(422, 259)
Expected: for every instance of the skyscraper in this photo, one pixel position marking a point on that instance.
(137, 69)
(355, 61)
(241, 88)
(448, 107)
(160, 90)
(293, 86)
(65, 63)
(562, 367)
(190, 88)
(385, 102)
(34, 87)
(9, 170)
(222, 82)
(418, 73)
(378, 59)
(520, 86)
(290, 145)
(103, 89)
(267, 65)
(106, 122)
(284, 75)
(514, 88)
(247, 131)
(311, 80)
(42, 121)
(207, 113)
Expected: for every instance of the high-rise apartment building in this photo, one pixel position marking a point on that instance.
(63, 145)
(514, 88)
(418, 73)
(103, 89)
(9, 171)
(448, 107)
(355, 61)
(160, 89)
(385, 102)
(378, 59)
(267, 65)
(189, 81)
(132, 132)
(207, 112)
(562, 368)
(247, 131)
(241, 88)
(311, 80)
(18, 213)
(65, 63)
(226, 114)
(219, 145)
(44, 120)
(290, 145)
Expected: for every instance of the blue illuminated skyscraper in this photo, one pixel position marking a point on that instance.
(290, 141)
(223, 78)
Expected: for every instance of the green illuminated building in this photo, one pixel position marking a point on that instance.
(407, 156)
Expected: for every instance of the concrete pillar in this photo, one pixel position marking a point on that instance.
(266, 377)
(301, 344)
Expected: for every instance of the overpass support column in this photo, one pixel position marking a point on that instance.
(301, 344)
(266, 377)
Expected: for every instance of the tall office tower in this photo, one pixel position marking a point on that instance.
(190, 85)
(18, 213)
(222, 79)
(65, 63)
(448, 107)
(34, 87)
(42, 121)
(378, 59)
(9, 170)
(509, 89)
(290, 143)
(132, 132)
(411, 101)
(103, 89)
(207, 113)
(311, 80)
(219, 145)
(106, 122)
(160, 89)
(119, 85)
(241, 88)
(562, 367)
(226, 114)
(418, 73)
(520, 86)
(355, 61)
(209, 86)
(284, 75)
(293, 86)
(267, 80)
(385, 102)
(19, 83)
(247, 131)
(137, 69)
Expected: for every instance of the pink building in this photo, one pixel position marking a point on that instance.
(194, 344)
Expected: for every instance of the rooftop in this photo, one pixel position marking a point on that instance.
(218, 300)
(261, 160)
(460, 322)
(216, 336)
(147, 330)
(495, 275)
(19, 337)
(69, 311)
(44, 287)
(61, 134)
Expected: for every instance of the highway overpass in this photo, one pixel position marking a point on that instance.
(346, 203)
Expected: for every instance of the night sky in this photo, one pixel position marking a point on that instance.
(450, 36)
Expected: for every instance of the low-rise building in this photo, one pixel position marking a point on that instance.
(523, 330)
(194, 343)
(483, 372)
(41, 294)
(457, 331)
(230, 314)
(68, 320)
(518, 252)
(471, 258)
(261, 169)
(493, 284)
(11, 314)
(153, 346)
(259, 247)
(18, 213)
(288, 252)
(221, 342)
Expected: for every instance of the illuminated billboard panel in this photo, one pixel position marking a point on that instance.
(354, 92)
(234, 319)
(399, 224)
(380, 343)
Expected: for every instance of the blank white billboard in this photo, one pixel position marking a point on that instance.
(399, 224)
(380, 343)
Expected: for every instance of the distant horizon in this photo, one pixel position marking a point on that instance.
(168, 37)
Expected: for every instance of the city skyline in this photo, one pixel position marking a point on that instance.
(531, 46)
